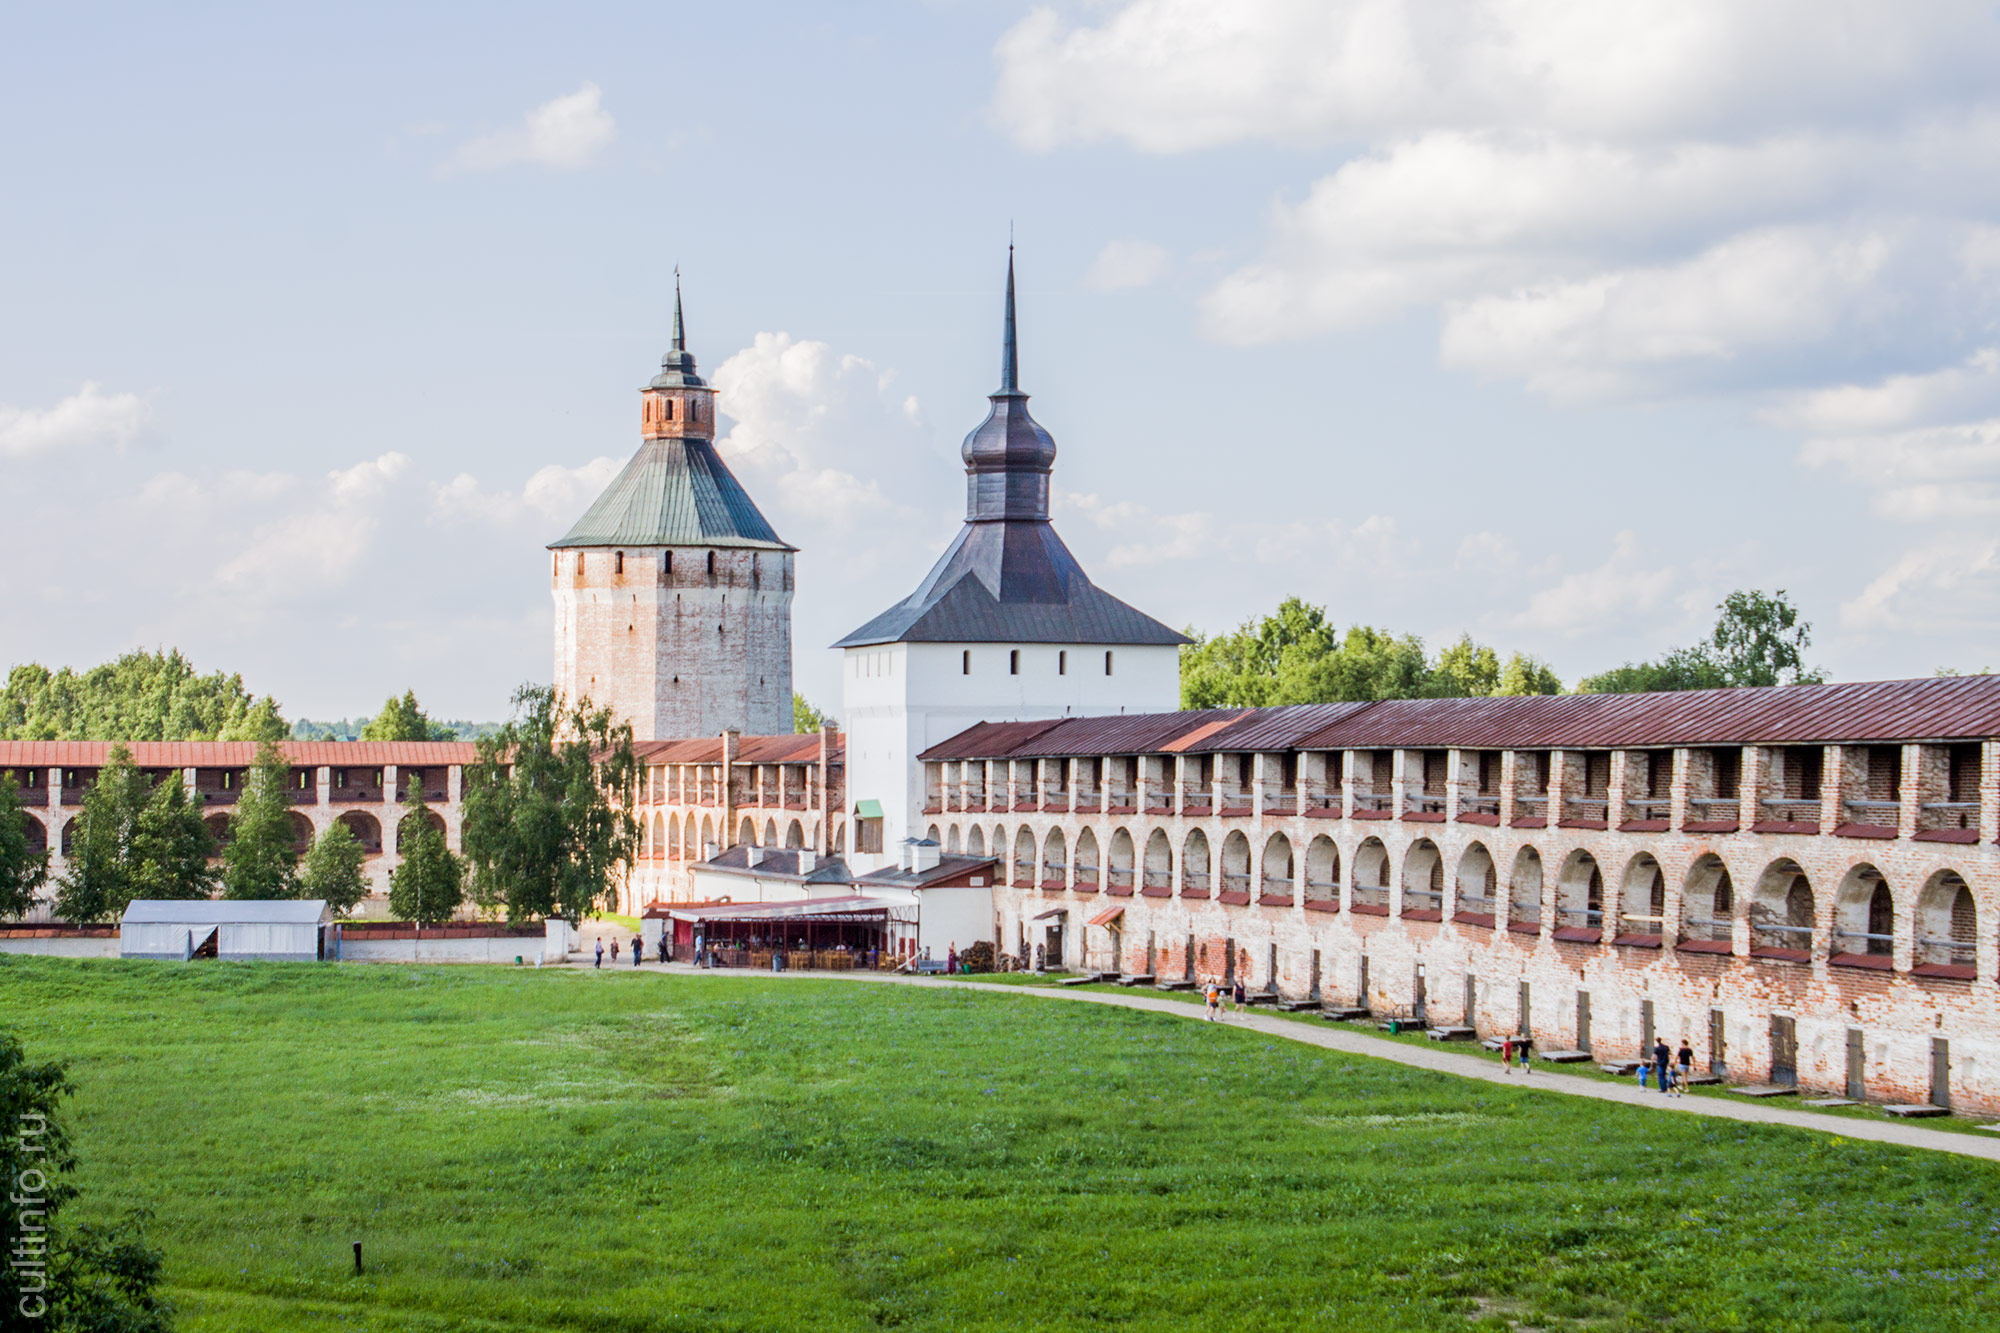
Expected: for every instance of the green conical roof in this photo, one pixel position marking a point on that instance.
(674, 492)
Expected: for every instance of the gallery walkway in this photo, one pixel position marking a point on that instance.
(1441, 1059)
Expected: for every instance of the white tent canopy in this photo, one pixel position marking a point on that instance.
(287, 929)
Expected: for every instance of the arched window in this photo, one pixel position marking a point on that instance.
(965, 663)
(1107, 661)
(618, 562)
(711, 564)
(670, 408)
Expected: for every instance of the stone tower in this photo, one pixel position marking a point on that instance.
(673, 596)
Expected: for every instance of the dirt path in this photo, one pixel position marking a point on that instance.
(1441, 1059)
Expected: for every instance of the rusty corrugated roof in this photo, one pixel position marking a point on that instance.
(234, 754)
(784, 749)
(1953, 708)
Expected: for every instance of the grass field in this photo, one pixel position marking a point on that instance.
(555, 1149)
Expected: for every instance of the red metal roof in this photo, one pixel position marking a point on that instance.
(786, 749)
(1941, 709)
(234, 754)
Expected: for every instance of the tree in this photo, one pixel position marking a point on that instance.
(139, 697)
(332, 870)
(547, 822)
(100, 880)
(99, 1279)
(430, 883)
(171, 846)
(402, 720)
(23, 871)
(806, 720)
(1758, 640)
(1297, 656)
(1528, 675)
(261, 860)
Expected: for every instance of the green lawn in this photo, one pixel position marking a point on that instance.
(531, 1149)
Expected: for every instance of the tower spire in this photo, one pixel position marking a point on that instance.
(1010, 357)
(680, 328)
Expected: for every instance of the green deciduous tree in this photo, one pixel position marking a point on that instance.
(332, 869)
(76, 1279)
(805, 718)
(23, 870)
(140, 697)
(1758, 639)
(547, 822)
(1297, 656)
(261, 860)
(100, 878)
(429, 883)
(171, 847)
(402, 720)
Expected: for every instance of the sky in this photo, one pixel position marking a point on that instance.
(1548, 323)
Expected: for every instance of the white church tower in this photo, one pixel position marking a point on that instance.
(673, 596)
(1006, 627)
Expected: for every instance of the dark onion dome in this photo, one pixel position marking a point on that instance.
(1008, 578)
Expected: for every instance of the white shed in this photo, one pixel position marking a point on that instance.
(228, 928)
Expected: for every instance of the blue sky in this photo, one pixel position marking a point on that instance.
(1546, 324)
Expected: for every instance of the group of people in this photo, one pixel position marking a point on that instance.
(1218, 995)
(638, 950)
(1668, 1069)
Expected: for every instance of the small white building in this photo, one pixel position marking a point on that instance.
(281, 929)
(1006, 627)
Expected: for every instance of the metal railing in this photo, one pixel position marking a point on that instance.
(1868, 940)
(1960, 953)
(1371, 895)
(1715, 930)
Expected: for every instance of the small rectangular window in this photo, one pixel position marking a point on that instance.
(965, 663)
(666, 562)
(1062, 664)
(1014, 662)
(618, 563)
(1107, 661)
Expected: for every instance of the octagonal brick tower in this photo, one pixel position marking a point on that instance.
(673, 595)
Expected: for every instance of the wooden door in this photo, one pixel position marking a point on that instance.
(1361, 996)
(1419, 1005)
(1784, 1051)
(1471, 1018)
(1527, 1012)
(1312, 989)
(1583, 1020)
(1718, 1044)
(1857, 1086)
(1940, 1071)
(1645, 1029)
(1229, 962)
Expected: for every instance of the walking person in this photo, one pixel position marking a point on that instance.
(1213, 994)
(614, 949)
(951, 959)
(1662, 1056)
(1527, 1051)
(1240, 996)
(663, 946)
(638, 950)
(1686, 1061)
(600, 953)
(1507, 1056)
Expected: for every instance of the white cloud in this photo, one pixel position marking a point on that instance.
(564, 132)
(555, 494)
(1969, 388)
(1618, 590)
(1949, 585)
(826, 430)
(1123, 264)
(88, 418)
(1170, 76)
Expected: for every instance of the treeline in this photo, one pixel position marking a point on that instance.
(1298, 656)
(140, 697)
(159, 696)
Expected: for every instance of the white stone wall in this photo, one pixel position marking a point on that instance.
(899, 699)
